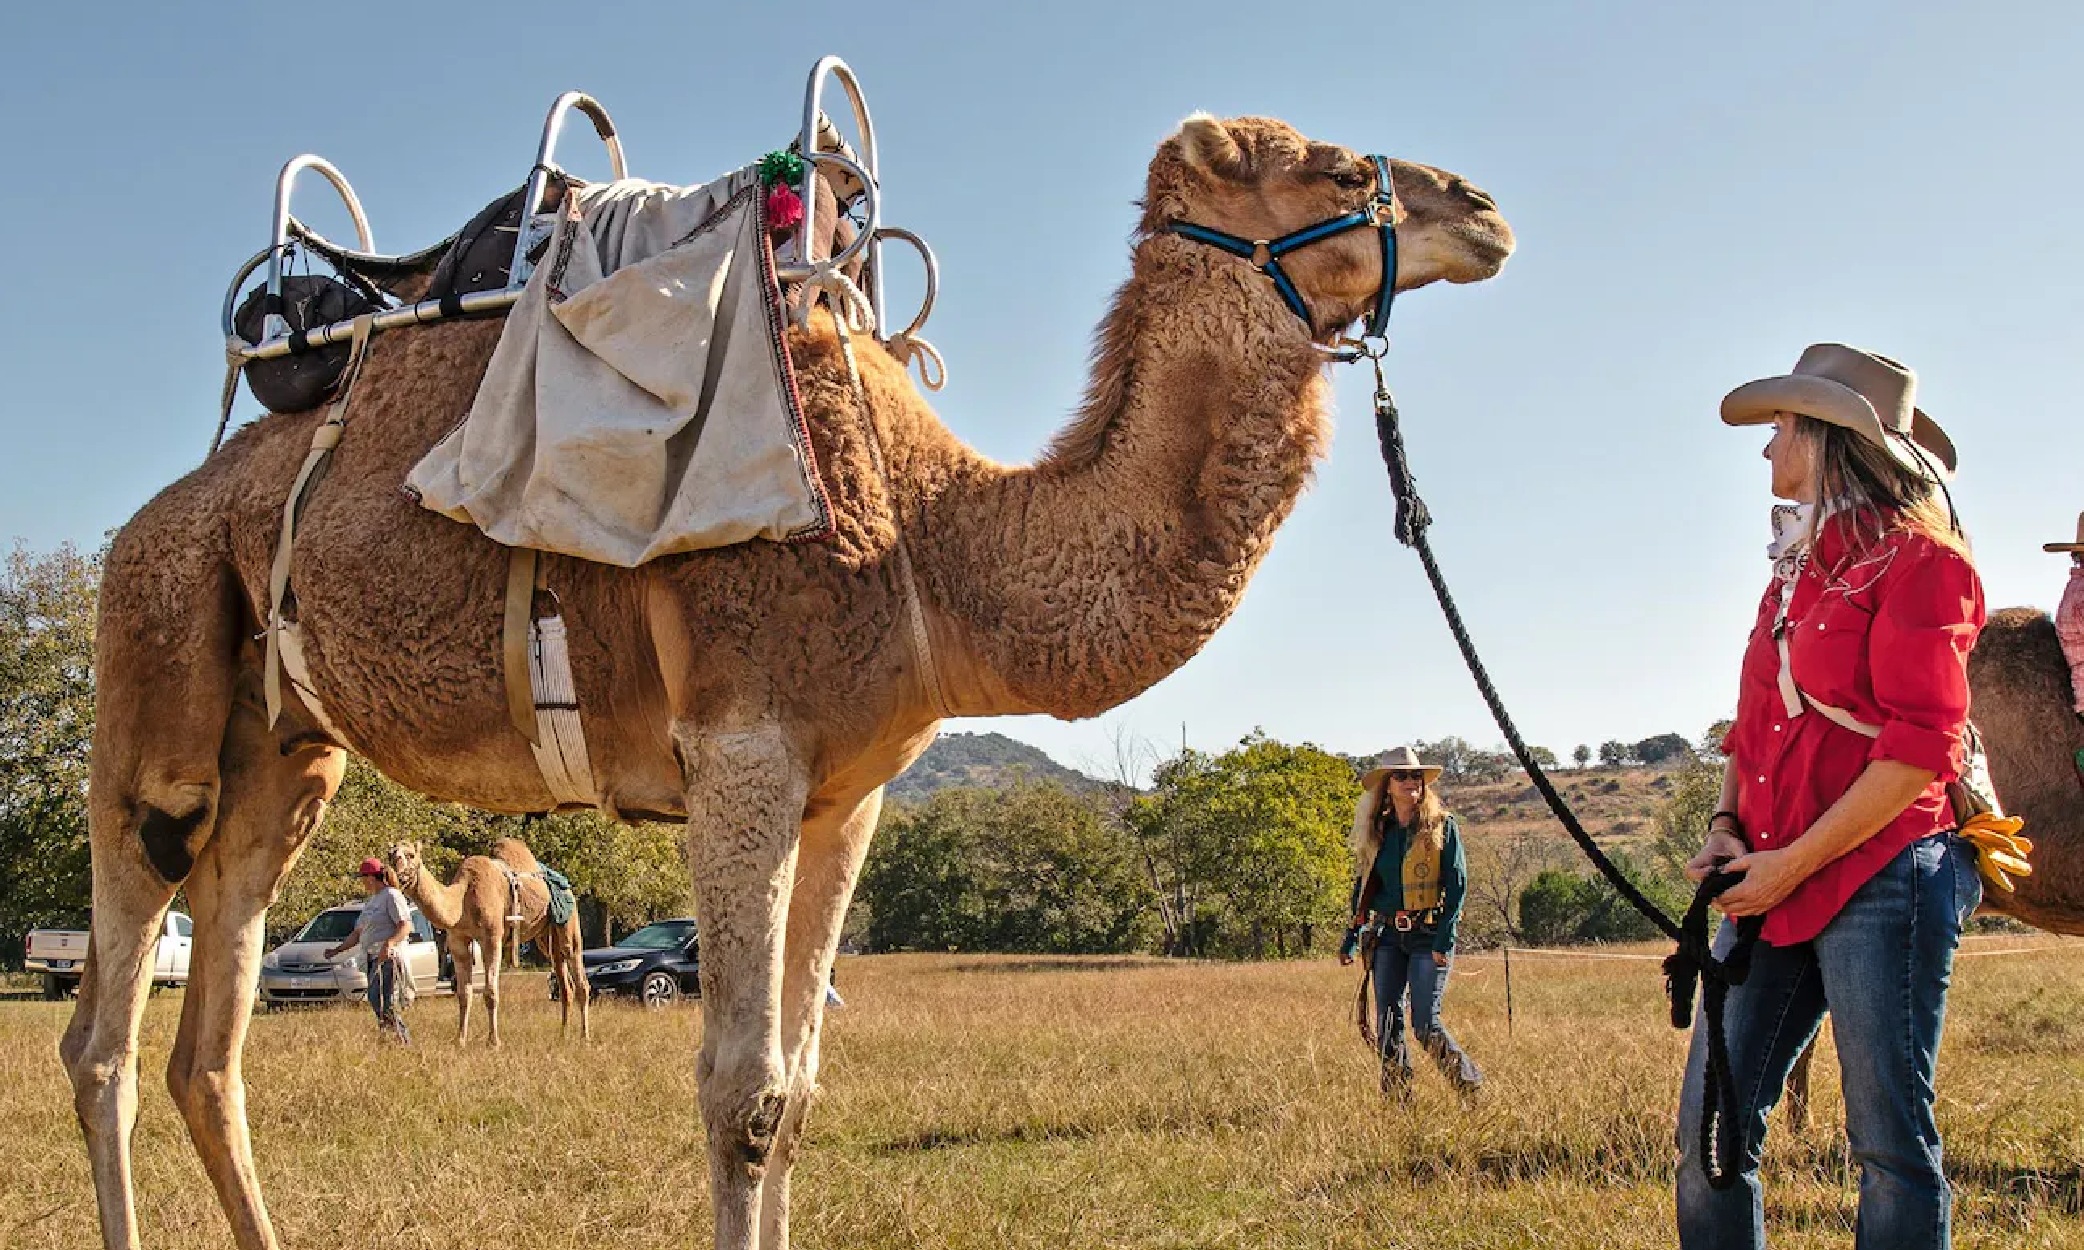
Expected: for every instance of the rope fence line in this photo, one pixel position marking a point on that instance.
(1552, 952)
(1504, 955)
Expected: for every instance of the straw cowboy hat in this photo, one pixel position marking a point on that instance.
(2072, 547)
(1870, 395)
(1403, 759)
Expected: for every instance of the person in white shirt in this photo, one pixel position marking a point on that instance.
(384, 925)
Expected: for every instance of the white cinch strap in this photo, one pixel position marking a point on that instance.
(323, 440)
(1793, 697)
(542, 697)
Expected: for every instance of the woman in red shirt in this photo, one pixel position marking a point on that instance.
(1852, 705)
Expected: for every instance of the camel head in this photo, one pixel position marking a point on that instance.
(404, 859)
(1257, 178)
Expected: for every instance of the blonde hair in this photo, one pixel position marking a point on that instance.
(1858, 477)
(1430, 819)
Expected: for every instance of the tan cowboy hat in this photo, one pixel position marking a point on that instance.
(1870, 395)
(1403, 759)
(2075, 546)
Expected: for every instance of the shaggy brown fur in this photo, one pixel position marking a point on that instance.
(476, 906)
(2022, 707)
(764, 691)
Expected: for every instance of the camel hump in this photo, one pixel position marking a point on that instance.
(2018, 650)
(514, 853)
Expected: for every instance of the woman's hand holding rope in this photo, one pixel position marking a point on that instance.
(1720, 848)
(1769, 877)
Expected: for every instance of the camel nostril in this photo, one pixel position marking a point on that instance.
(1477, 196)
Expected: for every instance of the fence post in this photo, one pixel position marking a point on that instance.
(1508, 993)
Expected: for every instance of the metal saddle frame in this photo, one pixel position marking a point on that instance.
(374, 274)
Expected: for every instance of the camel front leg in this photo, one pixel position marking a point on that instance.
(492, 957)
(745, 812)
(270, 807)
(827, 867)
(463, 968)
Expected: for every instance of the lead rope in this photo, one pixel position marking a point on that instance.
(1693, 961)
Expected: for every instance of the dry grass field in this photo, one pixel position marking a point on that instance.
(1006, 1102)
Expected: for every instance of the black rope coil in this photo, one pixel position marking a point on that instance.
(1693, 962)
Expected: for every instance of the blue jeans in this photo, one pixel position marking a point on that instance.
(386, 998)
(1406, 960)
(1881, 969)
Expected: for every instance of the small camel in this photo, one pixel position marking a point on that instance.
(763, 693)
(478, 905)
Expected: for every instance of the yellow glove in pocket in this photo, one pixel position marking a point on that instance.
(2001, 853)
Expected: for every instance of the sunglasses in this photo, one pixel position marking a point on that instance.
(1407, 775)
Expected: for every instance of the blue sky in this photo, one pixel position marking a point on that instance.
(1698, 191)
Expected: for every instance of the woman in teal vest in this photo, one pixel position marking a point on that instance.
(1409, 879)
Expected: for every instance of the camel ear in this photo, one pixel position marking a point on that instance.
(1208, 147)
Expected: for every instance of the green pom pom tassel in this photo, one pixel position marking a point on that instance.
(782, 167)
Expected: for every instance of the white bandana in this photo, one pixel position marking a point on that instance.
(1791, 529)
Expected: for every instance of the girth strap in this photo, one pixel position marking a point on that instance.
(542, 697)
(519, 615)
(323, 440)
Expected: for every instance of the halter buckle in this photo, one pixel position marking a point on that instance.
(1384, 213)
(1262, 254)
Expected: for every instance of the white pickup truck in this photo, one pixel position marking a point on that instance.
(59, 954)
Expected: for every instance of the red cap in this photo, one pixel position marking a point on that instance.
(371, 867)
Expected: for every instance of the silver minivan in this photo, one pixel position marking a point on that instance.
(298, 971)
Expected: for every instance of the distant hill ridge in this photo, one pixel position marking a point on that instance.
(990, 760)
(1617, 803)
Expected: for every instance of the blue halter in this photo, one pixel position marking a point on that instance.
(1382, 213)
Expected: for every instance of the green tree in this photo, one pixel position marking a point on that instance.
(1583, 755)
(1561, 908)
(1613, 754)
(1246, 850)
(1552, 906)
(47, 605)
(1663, 749)
(1542, 756)
(1682, 819)
(1031, 867)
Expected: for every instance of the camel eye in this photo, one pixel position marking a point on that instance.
(1353, 179)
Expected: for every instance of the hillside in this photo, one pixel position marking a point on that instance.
(1614, 804)
(983, 759)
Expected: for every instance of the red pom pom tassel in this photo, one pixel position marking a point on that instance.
(784, 207)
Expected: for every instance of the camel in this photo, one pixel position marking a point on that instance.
(476, 906)
(2022, 707)
(762, 693)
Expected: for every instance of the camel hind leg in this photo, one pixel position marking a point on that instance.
(563, 943)
(165, 651)
(271, 803)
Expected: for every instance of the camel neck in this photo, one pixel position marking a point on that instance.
(441, 904)
(1078, 583)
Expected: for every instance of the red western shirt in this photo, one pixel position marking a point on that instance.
(1882, 631)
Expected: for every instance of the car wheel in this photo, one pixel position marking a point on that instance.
(53, 988)
(660, 989)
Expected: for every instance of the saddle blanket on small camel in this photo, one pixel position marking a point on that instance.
(641, 400)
